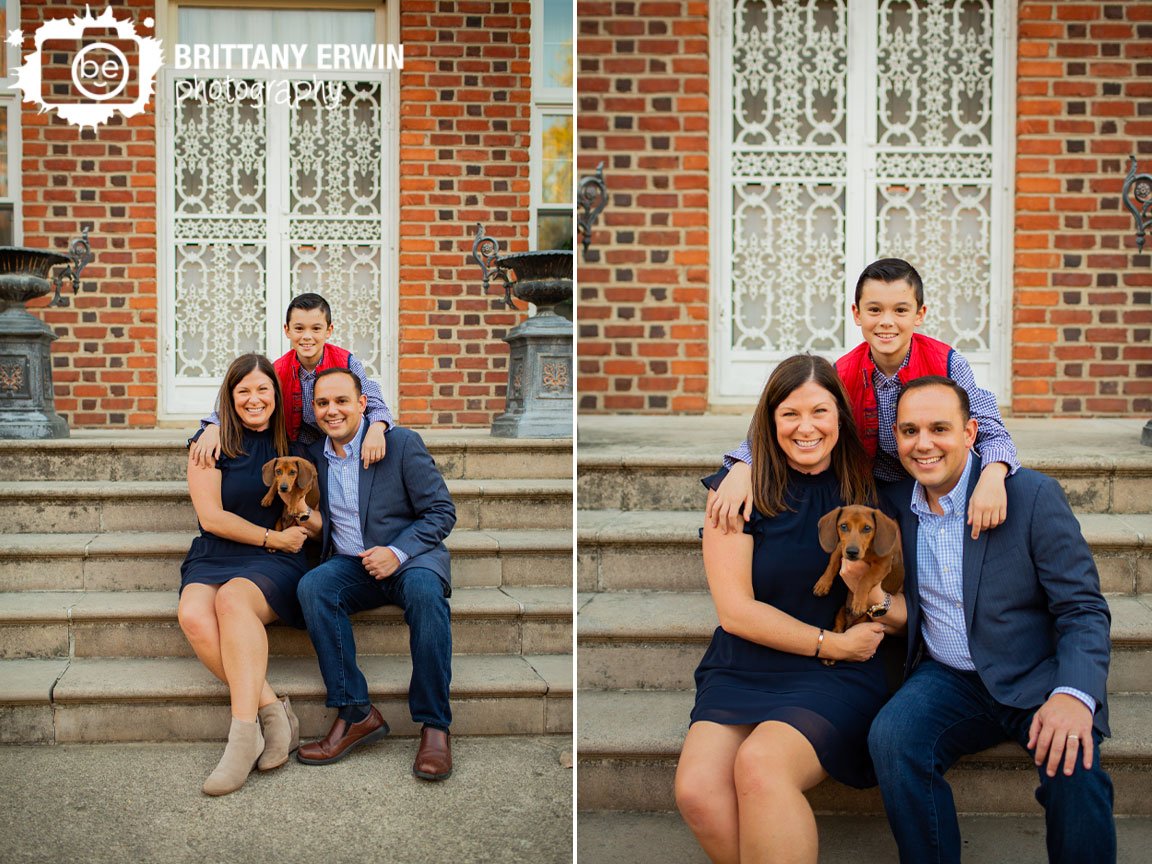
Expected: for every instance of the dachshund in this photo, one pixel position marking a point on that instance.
(295, 481)
(860, 534)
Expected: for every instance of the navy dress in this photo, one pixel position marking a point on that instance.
(742, 682)
(213, 560)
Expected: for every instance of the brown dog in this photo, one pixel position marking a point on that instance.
(860, 534)
(295, 481)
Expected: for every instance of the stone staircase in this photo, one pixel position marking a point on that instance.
(644, 616)
(96, 527)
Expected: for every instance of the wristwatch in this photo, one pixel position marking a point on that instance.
(305, 516)
(881, 609)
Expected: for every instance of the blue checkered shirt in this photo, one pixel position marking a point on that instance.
(992, 439)
(309, 429)
(344, 498)
(940, 579)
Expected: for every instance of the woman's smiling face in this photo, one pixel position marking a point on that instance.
(808, 427)
(254, 398)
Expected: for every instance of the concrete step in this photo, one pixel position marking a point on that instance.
(56, 506)
(660, 549)
(657, 838)
(654, 640)
(143, 624)
(509, 801)
(629, 742)
(633, 463)
(143, 561)
(161, 454)
(176, 699)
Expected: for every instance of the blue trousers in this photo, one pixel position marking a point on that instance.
(341, 587)
(941, 714)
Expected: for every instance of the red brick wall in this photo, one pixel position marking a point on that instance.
(465, 121)
(1082, 310)
(465, 118)
(104, 360)
(642, 79)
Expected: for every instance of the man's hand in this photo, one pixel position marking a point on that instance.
(734, 491)
(988, 506)
(852, 572)
(379, 562)
(205, 450)
(374, 443)
(1060, 729)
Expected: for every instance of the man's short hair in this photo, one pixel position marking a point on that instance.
(892, 270)
(938, 381)
(306, 303)
(338, 370)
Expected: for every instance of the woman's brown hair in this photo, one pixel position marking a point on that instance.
(231, 427)
(769, 464)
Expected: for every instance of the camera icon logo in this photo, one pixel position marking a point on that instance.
(89, 69)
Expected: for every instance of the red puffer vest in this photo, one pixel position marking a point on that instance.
(928, 357)
(288, 371)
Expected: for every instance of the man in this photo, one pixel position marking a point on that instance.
(384, 528)
(1009, 640)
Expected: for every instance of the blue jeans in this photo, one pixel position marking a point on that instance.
(341, 587)
(939, 715)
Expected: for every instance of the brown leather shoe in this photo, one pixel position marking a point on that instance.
(341, 738)
(434, 758)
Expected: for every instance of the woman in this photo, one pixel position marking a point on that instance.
(771, 720)
(231, 587)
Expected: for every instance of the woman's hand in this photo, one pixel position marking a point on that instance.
(858, 643)
(291, 539)
(735, 491)
(205, 450)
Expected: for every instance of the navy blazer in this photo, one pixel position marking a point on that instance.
(1035, 616)
(404, 502)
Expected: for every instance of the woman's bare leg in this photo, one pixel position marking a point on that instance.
(706, 789)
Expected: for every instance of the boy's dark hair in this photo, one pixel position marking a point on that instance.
(308, 302)
(892, 270)
(939, 381)
(340, 370)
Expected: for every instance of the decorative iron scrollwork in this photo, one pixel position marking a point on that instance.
(593, 195)
(1137, 195)
(80, 253)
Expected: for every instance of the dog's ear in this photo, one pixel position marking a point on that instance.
(887, 534)
(305, 474)
(268, 474)
(829, 535)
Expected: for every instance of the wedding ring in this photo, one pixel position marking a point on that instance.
(1073, 737)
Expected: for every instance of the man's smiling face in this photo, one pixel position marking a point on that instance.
(933, 438)
(338, 406)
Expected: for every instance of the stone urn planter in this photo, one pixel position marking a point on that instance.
(538, 403)
(27, 405)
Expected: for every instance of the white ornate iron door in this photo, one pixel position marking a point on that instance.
(272, 197)
(845, 131)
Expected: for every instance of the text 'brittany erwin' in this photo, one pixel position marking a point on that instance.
(324, 57)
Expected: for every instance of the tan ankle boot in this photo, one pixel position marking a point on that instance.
(245, 744)
(281, 734)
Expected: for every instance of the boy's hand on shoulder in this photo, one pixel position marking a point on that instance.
(988, 506)
(374, 444)
(205, 450)
(734, 492)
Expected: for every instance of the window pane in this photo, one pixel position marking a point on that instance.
(557, 65)
(554, 230)
(3, 149)
(6, 237)
(556, 152)
(276, 27)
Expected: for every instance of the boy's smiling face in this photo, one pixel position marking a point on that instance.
(888, 316)
(307, 331)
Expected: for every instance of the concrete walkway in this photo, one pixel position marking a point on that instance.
(509, 800)
(659, 838)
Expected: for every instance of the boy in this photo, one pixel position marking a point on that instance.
(889, 307)
(308, 326)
